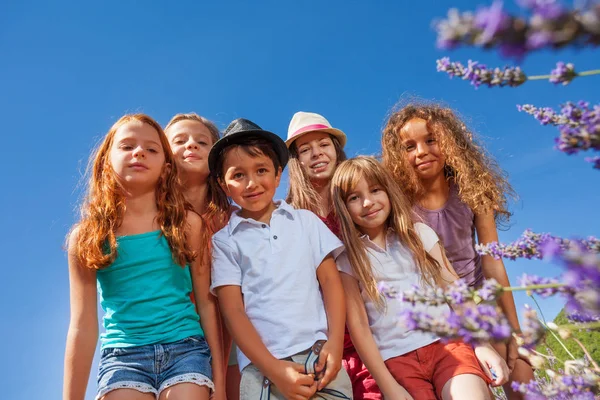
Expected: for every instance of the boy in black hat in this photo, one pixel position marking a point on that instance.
(277, 283)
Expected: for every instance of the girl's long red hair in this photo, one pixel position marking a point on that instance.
(104, 205)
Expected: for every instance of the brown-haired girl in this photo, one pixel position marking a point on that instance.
(191, 137)
(137, 242)
(459, 191)
(384, 245)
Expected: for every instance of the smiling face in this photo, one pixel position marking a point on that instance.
(136, 155)
(250, 181)
(422, 150)
(369, 207)
(317, 156)
(190, 143)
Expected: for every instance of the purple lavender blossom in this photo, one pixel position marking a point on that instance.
(472, 324)
(580, 383)
(478, 74)
(546, 24)
(456, 293)
(534, 280)
(492, 21)
(563, 73)
(579, 125)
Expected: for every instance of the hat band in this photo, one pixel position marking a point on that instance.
(309, 128)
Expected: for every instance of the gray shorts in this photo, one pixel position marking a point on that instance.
(252, 384)
(232, 355)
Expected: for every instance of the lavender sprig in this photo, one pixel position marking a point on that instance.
(546, 25)
(456, 293)
(474, 324)
(531, 245)
(480, 74)
(582, 275)
(578, 124)
(579, 383)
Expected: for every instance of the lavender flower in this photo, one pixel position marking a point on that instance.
(546, 24)
(579, 383)
(479, 74)
(534, 280)
(456, 293)
(583, 275)
(563, 73)
(473, 324)
(532, 330)
(532, 245)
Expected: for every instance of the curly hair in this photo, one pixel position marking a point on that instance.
(400, 220)
(301, 193)
(481, 184)
(217, 208)
(104, 205)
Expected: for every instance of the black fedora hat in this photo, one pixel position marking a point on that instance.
(241, 130)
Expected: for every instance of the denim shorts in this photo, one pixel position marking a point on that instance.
(153, 368)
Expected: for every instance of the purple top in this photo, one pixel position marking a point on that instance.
(455, 225)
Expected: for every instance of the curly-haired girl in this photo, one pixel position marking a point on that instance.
(458, 190)
(137, 242)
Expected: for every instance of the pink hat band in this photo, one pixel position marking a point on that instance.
(309, 128)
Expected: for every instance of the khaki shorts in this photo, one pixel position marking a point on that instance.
(254, 385)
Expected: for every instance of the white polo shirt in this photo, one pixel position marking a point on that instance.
(276, 266)
(395, 268)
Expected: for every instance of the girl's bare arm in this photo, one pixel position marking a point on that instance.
(485, 226)
(362, 337)
(206, 303)
(83, 326)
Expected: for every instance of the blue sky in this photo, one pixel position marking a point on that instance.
(70, 69)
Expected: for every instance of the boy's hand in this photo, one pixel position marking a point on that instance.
(292, 382)
(329, 364)
(491, 360)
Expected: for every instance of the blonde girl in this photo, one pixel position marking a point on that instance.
(458, 190)
(137, 243)
(191, 137)
(384, 246)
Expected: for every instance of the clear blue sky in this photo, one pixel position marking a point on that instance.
(70, 69)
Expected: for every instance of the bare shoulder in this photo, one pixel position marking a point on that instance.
(72, 238)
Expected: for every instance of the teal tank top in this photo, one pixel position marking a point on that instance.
(145, 295)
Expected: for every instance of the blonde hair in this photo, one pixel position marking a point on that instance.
(400, 221)
(104, 205)
(481, 184)
(217, 207)
(301, 192)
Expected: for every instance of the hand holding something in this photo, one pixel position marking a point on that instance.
(330, 359)
(491, 360)
(292, 382)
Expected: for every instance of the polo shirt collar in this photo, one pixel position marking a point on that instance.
(236, 219)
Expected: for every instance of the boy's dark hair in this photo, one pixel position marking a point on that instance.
(254, 146)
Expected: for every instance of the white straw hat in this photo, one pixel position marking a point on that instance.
(306, 122)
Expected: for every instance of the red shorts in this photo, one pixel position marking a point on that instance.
(363, 384)
(425, 371)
